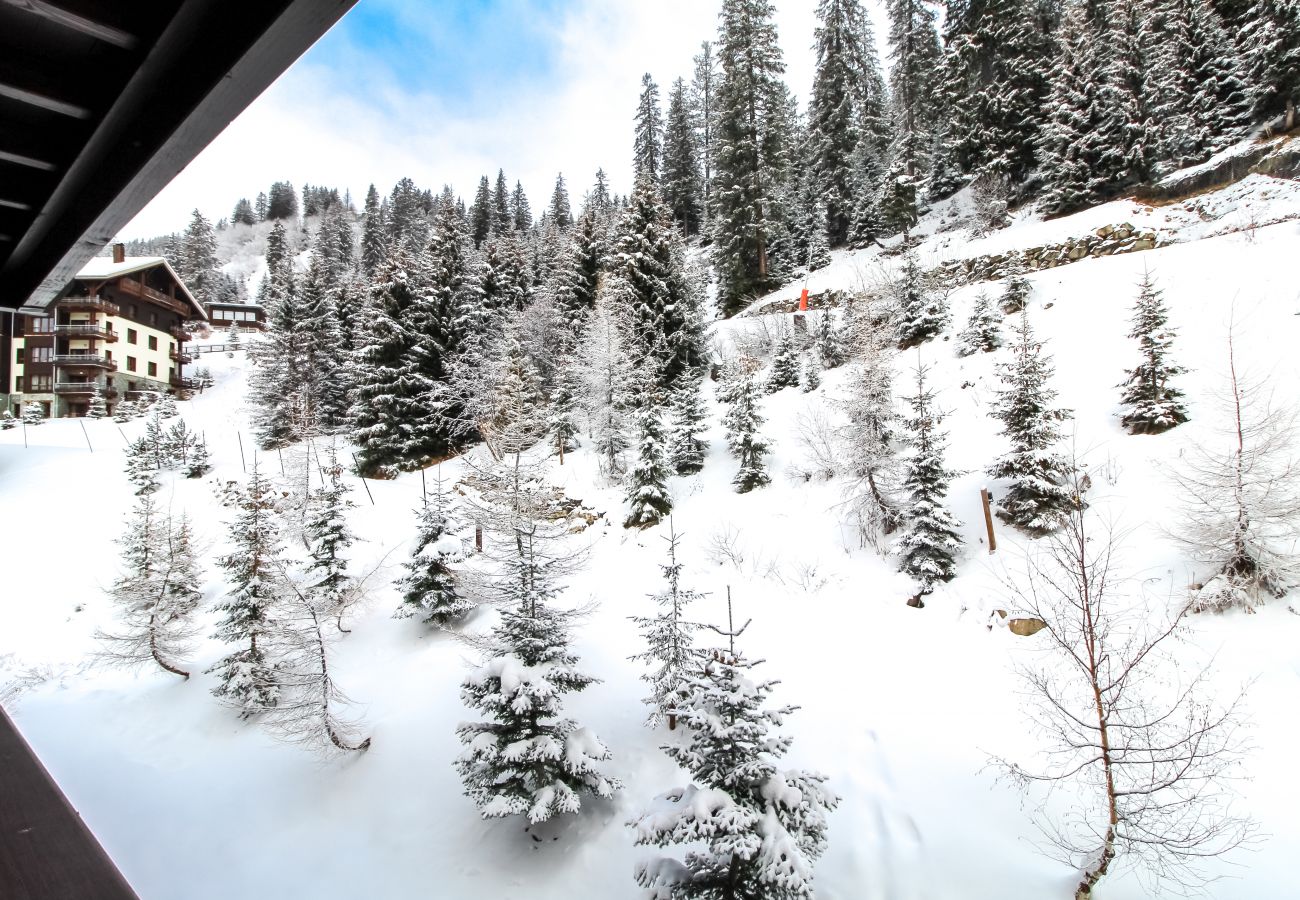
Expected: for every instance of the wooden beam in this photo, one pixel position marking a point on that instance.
(69, 16)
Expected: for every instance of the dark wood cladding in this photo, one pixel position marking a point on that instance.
(46, 850)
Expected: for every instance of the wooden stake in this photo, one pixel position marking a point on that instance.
(86, 433)
(478, 538)
(363, 479)
(988, 519)
(242, 464)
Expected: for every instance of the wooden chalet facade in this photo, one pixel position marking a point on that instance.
(118, 328)
(245, 317)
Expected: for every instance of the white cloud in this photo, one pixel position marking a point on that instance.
(354, 124)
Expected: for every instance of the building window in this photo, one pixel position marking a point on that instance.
(153, 342)
(42, 325)
(19, 355)
(153, 370)
(42, 354)
(40, 384)
(18, 384)
(130, 363)
(130, 335)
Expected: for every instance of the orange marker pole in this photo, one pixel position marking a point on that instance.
(803, 300)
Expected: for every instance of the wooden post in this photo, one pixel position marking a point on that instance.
(988, 519)
(86, 433)
(242, 464)
(478, 538)
(364, 484)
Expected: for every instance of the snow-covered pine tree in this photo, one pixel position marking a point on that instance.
(1270, 45)
(648, 497)
(870, 437)
(502, 222)
(847, 94)
(762, 826)
(921, 304)
(156, 594)
(680, 175)
(429, 587)
(1038, 497)
(784, 372)
(685, 447)
(98, 406)
(647, 144)
(751, 152)
(125, 411)
(1150, 404)
(382, 387)
(33, 413)
(930, 541)
(166, 407)
(562, 420)
(326, 531)
(743, 421)
(983, 331)
(1016, 296)
(607, 378)
(806, 245)
(1203, 101)
(669, 638)
(247, 677)
(913, 81)
(374, 245)
(811, 377)
(7, 420)
(526, 759)
(829, 341)
(480, 213)
(520, 208)
(197, 262)
(199, 461)
(273, 382)
(704, 85)
(561, 213)
(576, 284)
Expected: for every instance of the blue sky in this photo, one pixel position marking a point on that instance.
(444, 92)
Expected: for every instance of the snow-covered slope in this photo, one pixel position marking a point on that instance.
(900, 707)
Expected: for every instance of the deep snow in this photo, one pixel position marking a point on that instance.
(900, 707)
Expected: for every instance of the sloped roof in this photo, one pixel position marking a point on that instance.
(102, 268)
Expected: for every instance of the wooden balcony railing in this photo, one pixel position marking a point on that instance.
(74, 360)
(131, 286)
(96, 303)
(85, 330)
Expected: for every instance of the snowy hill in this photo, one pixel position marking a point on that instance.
(900, 707)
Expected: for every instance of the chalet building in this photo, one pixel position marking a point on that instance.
(119, 327)
(243, 316)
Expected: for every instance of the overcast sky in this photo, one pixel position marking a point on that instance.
(444, 91)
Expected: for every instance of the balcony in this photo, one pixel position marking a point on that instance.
(97, 304)
(85, 330)
(84, 388)
(131, 286)
(179, 332)
(85, 361)
(180, 357)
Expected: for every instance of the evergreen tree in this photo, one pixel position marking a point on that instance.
(98, 406)
(810, 377)
(1039, 495)
(575, 287)
(328, 536)
(259, 207)
(680, 179)
(247, 676)
(502, 220)
(762, 826)
(982, 333)
(1203, 100)
(1016, 296)
(373, 234)
(922, 306)
(527, 759)
(751, 152)
(562, 421)
(156, 594)
(913, 82)
(685, 448)
(243, 214)
(282, 201)
(1150, 404)
(785, 364)
(845, 112)
(1270, 46)
(33, 413)
(197, 263)
(647, 482)
(929, 544)
(520, 210)
(704, 81)
(407, 218)
(429, 588)
(480, 213)
(669, 638)
(829, 341)
(561, 212)
(647, 146)
(607, 377)
(807, 246)
(742, 422)
(870, 438)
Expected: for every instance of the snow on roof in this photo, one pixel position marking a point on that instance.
(102, 268)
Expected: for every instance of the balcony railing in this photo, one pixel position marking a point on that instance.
(96, 303)
(85, 330)
(85, 360)
(83, 387)
(131, 286)
(181, 357)
(179, 332)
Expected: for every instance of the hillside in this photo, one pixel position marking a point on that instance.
(901, 708)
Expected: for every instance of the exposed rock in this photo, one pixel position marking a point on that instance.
(1025, 627)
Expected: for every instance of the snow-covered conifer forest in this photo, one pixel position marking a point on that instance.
(551, 548)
